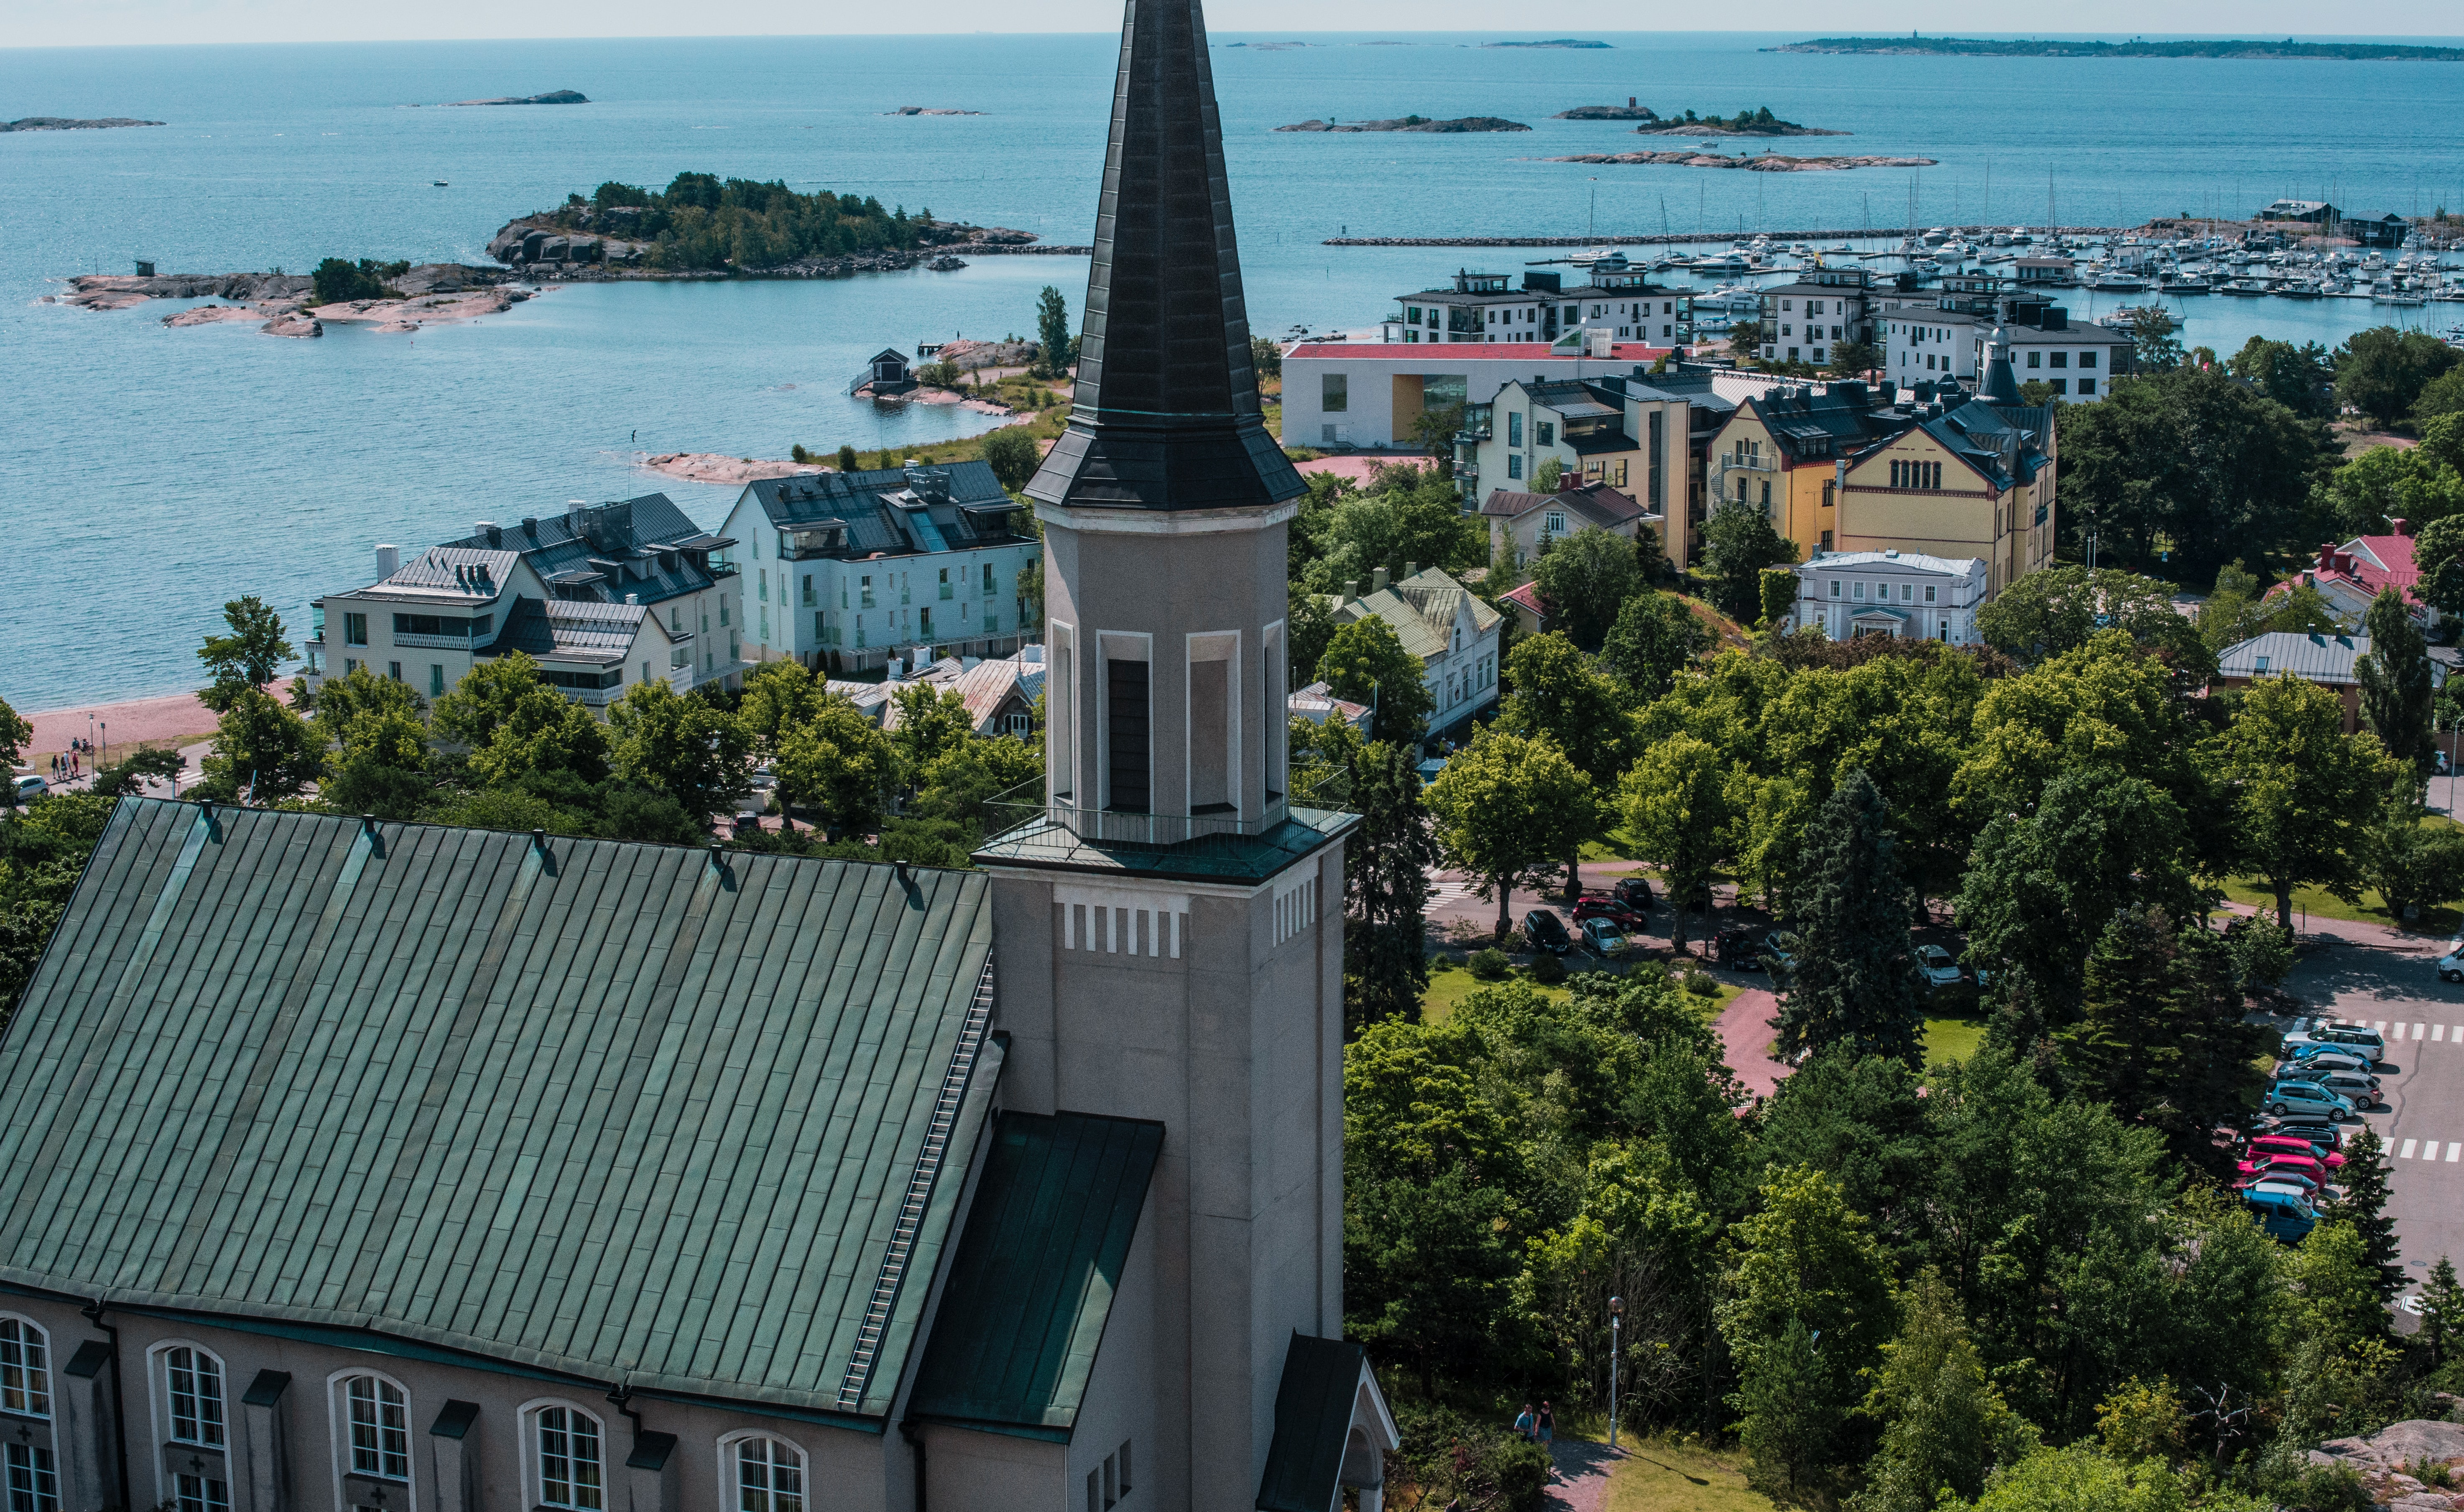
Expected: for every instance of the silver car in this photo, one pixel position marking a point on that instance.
(2362, 1091)
(1940, 970)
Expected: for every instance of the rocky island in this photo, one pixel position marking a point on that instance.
(63, 123)
(1628, 111)
(554, 96)
(1744, 123)
(930, 110)
(1413, 124)
(1555, 41)
(1755, 163)
(1973, 46)
(287, 304)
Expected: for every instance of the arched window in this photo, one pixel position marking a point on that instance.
(374, 1416)
(194, 1381)
(569, 1458)
(764, 1475)
(25, 1369)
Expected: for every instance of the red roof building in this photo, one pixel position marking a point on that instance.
(2349, 576)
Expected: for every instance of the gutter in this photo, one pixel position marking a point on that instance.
(119, 1402)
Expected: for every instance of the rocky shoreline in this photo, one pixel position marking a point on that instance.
(1460, 123)
(1696, 128)
(1761, 162)
(434, 294)
(63, 123)
(591, 245)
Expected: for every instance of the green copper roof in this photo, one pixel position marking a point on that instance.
(1032, 1283)
(1046, 842)
(1313, 1408)
(611, 1110)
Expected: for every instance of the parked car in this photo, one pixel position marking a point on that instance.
(2450, 967)
(32, 785)
(2282, 1212)
(1602, 937)
(2316, 1131)
(1607, 905)
(2306, 1098)
(1940, 970)
(2295, 1144)
(2326, 1031)
(1635, 892)
(2270, 1163)
(2331, 1058)
(2289, 1180)
(1738, 949)
(1547, 932)
(2361, 1091)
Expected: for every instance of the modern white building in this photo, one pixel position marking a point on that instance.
(1906, 594)
(1439, 620)
(1616, 300)
(1367, 394)
(846, 571)
(1925, 343)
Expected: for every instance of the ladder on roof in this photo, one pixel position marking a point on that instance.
(920, 1194)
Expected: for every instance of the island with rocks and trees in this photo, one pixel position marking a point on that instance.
(65, 123)
(1413, 124)
(554, 96)
(1975, 47)
(1751, 163)
(1555, 41)
(1759, 123)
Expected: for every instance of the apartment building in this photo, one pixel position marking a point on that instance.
(1803, 320)
(1372, 394)
(847, 571)
(1780, 452)
(1933, 334)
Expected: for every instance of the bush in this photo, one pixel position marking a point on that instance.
(847, 458)
(1470, 1467)
(1546, 969)
(1490, 965)
(336, 280)
(1013, 456)
(1702, 983)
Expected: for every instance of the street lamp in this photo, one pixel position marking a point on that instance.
(1616, 1347)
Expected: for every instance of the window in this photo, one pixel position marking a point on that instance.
(722, 614)
(2087, 359)
(393, 670)
(1544, 433)
(566, 1442)
(2061, 385)
(866, 584)
(2087, 385)
(1514, 464)
(2058, 359)
(25, 1369)
(34, 1481)
(200, 1494)
(379, 1419)
(435, 679)
(1127, 749)
(1556, 523)
(355, 629)
(821, 628)
(1835, 587)
(769, 1476)
(945, 582)
(808, 590)
(195, 1382)
(1907, 593)
(764, 584)
(1335, 393)
(1930, 591)
(2033, 358)
(1514, 428)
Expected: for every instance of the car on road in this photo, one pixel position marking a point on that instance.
(2450, 967)
(1738, 949)
(2306, 1098)
(2296, 1145)
(1608, 905)
(2283, 1213)
(30, 786)
(1940, 970)
(2331, 1058)
(1602, 937)
(2326, 1031)
(2362, 1091)
(1547, 932)
(1635, 892)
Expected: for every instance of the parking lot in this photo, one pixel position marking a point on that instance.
(2389, 982)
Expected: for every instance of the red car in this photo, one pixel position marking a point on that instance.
(1602, 906)
(2270, 1163)
(2289, 1145)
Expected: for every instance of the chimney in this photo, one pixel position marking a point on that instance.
(1411, 569)
(2402, 527)
(2327, 558)
(1377, 580)
(1351, 589)
(1629, 103)
(488, 528)
(388, 561)
(635, 598)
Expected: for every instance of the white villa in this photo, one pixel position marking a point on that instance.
(1906, 594)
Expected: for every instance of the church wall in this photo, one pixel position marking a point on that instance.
(966, 1469)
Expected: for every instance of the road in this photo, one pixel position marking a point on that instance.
(2388, 981)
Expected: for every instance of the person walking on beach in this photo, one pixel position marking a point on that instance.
(1525, 1424)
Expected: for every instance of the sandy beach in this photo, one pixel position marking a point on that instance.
(174, 717)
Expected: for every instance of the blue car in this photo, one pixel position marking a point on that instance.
(2282, 1214)
(2309, 1099)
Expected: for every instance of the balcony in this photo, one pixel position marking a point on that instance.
(1022, 814)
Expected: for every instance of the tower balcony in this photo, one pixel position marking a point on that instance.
(1030, 827)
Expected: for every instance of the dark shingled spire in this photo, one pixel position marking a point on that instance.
(1166, 412)
(2001, 385)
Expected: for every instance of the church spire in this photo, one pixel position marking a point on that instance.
(1166, 413)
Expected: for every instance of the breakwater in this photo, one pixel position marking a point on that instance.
(1672, 238)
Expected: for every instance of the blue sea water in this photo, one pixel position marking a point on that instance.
(148, 474)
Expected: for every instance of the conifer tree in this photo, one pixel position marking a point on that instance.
(2363, 1204)
(1386, 887)
(2395, 683)
(1854, 979)
(2159, 1035)
(2442, 1311)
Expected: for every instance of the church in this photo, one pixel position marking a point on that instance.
(349, 1164)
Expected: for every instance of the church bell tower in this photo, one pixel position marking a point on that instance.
(1169, 921)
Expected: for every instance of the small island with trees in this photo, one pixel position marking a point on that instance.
(65, 123)
(1975, 47)
(1413, 124)
(1744, 123)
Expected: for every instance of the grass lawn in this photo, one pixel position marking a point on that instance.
(1450, 984)
(1663, 1476)
(2435, 923)
(1952, 1039)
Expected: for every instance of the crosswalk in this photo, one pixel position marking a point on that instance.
(2428, 1149)
(2434, 1033)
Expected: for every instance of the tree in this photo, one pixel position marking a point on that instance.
(1312, 626)
(1779, 587)
(2060, 608)
(2442, 1311)
(1854, 980)
(2101, 705)
(682, 745)
(2232, 611)
(1681, 806)
(835, 761)
(2082, 1478)
(246, 658)
(930, 722)
(1434, 430)
(1558, 693)
(1584, 580)
(1551, 472)
(1508, 808)
(1013, 456)
(2386, 484)
(1059, 352)
(2439, 554)
(129, 779)
(1365, 663)
(847, 458)
(1851, 358)
(2440, 397)
(2154, 348)
(2302, 379)
(2395, 683)
(1746, 339)
(2411, 861)
(2159, 1035)
(1654, 637)
(1426, 1267)
(1738, 542)
(377, 729)
(263, 751)
(517, 725)
(2362, 1205)
(1793, 1413)
(779, 696)
(1266, 356)
(2299, 789)
(1946, 1427)
(1386, 888)
(2381, 371)
(1409, 517)
(14, 733)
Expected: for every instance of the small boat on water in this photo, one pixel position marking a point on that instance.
(439, 182)
(2118, 283)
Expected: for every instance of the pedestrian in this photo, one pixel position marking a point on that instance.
(1525, 1424)
(1548, 1426)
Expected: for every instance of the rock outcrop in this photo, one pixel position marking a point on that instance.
(592, 243)
(1413, 124)
(554, 96)
(1707, 129)
(295, 324)
(119, 290)
(930, 110)
(1608, 113)
(1758, 163)
(2393, 1461)
(63, 123)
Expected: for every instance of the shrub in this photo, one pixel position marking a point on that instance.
(1471, 1466)
(1546, 969)
(1702, 983)
(798, 453)
(1490, 965)
(847, 458)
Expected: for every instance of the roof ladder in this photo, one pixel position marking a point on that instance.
(920, 1194)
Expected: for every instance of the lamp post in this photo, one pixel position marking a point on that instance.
(1616, 1347)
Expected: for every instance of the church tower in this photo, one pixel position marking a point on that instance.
(1169, 921)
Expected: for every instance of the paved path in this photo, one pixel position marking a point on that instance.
(141, 720)
(1583, 1481)
(1745, 1028)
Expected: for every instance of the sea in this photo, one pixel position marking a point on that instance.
(147, 474)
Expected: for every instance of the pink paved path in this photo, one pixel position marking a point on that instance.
(1358, 465)
(1744, 1027)
(142, 719)
(1582, 1479)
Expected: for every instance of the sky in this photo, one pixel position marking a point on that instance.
(84, 23)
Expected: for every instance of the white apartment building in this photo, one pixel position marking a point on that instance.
(1367, 394)
(1907, 594)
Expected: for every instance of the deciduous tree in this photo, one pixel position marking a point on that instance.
(1365, 663)
(1738, 542)
(838, 763)
(1584, 580)
(1654, 637)
(682, 745)
(2062, 609)
(2299, 790)
(2383, 370)
(1559, 694)
(14, 733)
(247, 657)
(2395, 683)
(1508, 808)
(1681, 805)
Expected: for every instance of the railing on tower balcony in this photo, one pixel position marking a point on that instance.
(1025, 808)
